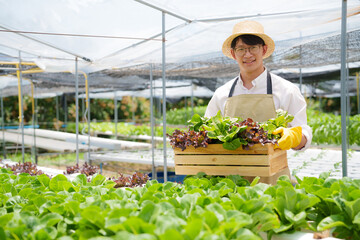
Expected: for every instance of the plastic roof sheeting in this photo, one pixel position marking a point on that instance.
(10, 81)
(178, 92)
(174, 89)
(196, 43)
(109, 95)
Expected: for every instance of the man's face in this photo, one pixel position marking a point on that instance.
(249, 57)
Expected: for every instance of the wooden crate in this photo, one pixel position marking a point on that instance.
(259, 160)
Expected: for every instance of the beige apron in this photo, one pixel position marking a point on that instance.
(259, 107)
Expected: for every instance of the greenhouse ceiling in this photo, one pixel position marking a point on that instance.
(116, 39)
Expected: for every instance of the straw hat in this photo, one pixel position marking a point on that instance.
(248, 27)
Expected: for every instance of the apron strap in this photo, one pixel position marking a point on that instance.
(233, 87)
(268, 83)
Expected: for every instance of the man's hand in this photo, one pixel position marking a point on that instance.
(290, 137)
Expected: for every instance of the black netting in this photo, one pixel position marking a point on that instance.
(213, 69)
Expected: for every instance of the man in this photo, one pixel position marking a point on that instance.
(256, 93)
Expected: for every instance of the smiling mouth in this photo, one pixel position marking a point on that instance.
(248, 62)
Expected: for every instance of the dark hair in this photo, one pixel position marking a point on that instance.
(248, 39)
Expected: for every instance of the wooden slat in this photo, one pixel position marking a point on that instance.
(222, 160)
(277, 152)
(223, 170)
(218, 149)
(259, 160)
(270, 179)
(278, 162)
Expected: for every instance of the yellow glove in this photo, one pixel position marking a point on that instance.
(290, 137)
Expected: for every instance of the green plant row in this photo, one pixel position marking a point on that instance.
(174, 116)
(125, 129)
(37, 207)
(327, 128)
(180, 116)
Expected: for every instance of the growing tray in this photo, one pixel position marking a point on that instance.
(259, 160)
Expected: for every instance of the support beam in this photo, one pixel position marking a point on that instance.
(3, 125)
(164, 95)
(249, 16)
(186, 108)
(343, 89)
(33, 148)
(153, 169)
(16, 63)
(47, 44)
(357, 92)
(36, 123)
(21, 107)
(141, 42)
(65, 110)
(88, 114)
(115, 114)
(77, 109)
(301, 80)
(133, 109)
(192, 99)
(57, 112)
(163, 10)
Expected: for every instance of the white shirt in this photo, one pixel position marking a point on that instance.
(286, 95)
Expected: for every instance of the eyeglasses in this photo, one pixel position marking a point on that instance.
(253, 50)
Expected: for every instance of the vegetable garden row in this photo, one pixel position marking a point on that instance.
(326, 127)
(39, 207)
(36, 206)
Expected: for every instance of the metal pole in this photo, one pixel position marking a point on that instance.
(357, 92)
(77, 109)
(82, 110)
(36, 123)
(159, 106)
(47, 44)
(57, 112)
(116, 114)
(163, 11)
(300, 85)
(348, 106)
(186, 108)
(2, 125)
(88, 115)
(343, 89)
(132, 109)
(153, 169)
(192, 99)
(33, 122)
(65, 110)
(21, 110)
(164, 94)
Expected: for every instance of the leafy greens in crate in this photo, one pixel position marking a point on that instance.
(231, 132)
